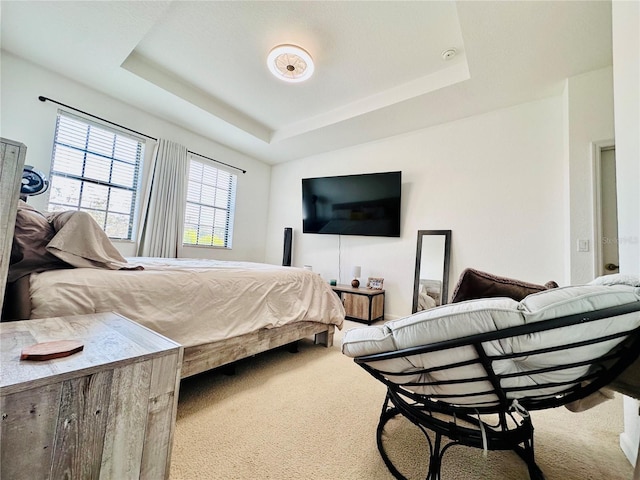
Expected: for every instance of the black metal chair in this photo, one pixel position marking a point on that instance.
(507, 397)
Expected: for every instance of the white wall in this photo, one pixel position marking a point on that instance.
(26, 119)
(626, 70)
(495, 180)
(589, 100)
(507, 183)
(626, 64)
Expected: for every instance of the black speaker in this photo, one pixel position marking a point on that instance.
(288, 245)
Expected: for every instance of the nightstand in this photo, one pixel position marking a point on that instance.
(364, 305)
(106, 412)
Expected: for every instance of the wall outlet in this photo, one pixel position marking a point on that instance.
(583, 245)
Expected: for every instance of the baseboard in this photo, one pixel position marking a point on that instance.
(629, 447)
(630, 436)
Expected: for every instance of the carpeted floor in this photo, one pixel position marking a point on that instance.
(313, 415)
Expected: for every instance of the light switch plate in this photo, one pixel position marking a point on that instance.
(583, 245)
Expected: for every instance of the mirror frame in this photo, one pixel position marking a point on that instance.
(445, 280)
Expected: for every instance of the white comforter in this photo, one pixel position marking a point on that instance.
(188, 300)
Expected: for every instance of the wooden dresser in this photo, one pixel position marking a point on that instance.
(12, 156)
(107, 412)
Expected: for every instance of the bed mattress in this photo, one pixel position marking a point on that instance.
(191, 301)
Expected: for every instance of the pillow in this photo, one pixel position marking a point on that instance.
(82, 243)
(617, 279)
(573, 299)
(474, 284)
(31, 236)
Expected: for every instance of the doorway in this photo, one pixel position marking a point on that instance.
(606, 210)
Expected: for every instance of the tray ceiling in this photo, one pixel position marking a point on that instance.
(379, 65)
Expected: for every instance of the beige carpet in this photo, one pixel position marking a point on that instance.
(313, 415)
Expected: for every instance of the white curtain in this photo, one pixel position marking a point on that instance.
(162, 219)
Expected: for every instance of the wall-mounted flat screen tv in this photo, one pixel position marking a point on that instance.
(365, 204)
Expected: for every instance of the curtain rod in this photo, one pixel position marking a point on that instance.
(44, 99)
(217, 161)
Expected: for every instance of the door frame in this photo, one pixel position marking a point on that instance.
(596, 156)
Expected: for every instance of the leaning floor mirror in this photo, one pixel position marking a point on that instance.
(431, 281)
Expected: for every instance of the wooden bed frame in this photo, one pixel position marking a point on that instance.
(197, 359)
(200, 358)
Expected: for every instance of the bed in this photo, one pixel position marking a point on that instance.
(220, 311)
(429, 293)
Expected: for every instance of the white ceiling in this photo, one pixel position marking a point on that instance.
(379, 69)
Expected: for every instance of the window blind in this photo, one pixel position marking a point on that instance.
(96, 169)
(210, 206)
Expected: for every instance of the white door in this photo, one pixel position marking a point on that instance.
(608, 212)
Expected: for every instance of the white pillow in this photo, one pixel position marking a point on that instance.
(357, 342)
(562, 301)
(617, 279)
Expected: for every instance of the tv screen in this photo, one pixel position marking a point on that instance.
(366, 204)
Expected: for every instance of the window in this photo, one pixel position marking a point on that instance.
(96, 169)
(211, 198)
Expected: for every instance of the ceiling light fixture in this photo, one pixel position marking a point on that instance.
(290, 63)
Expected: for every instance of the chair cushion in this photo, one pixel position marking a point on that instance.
(474, 284)
(434, 325)
(564, 301)
(431, 326)
(478, 316)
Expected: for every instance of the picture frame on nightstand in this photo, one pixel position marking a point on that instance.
(375, 283)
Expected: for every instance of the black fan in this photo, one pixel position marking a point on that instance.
(33, 182)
